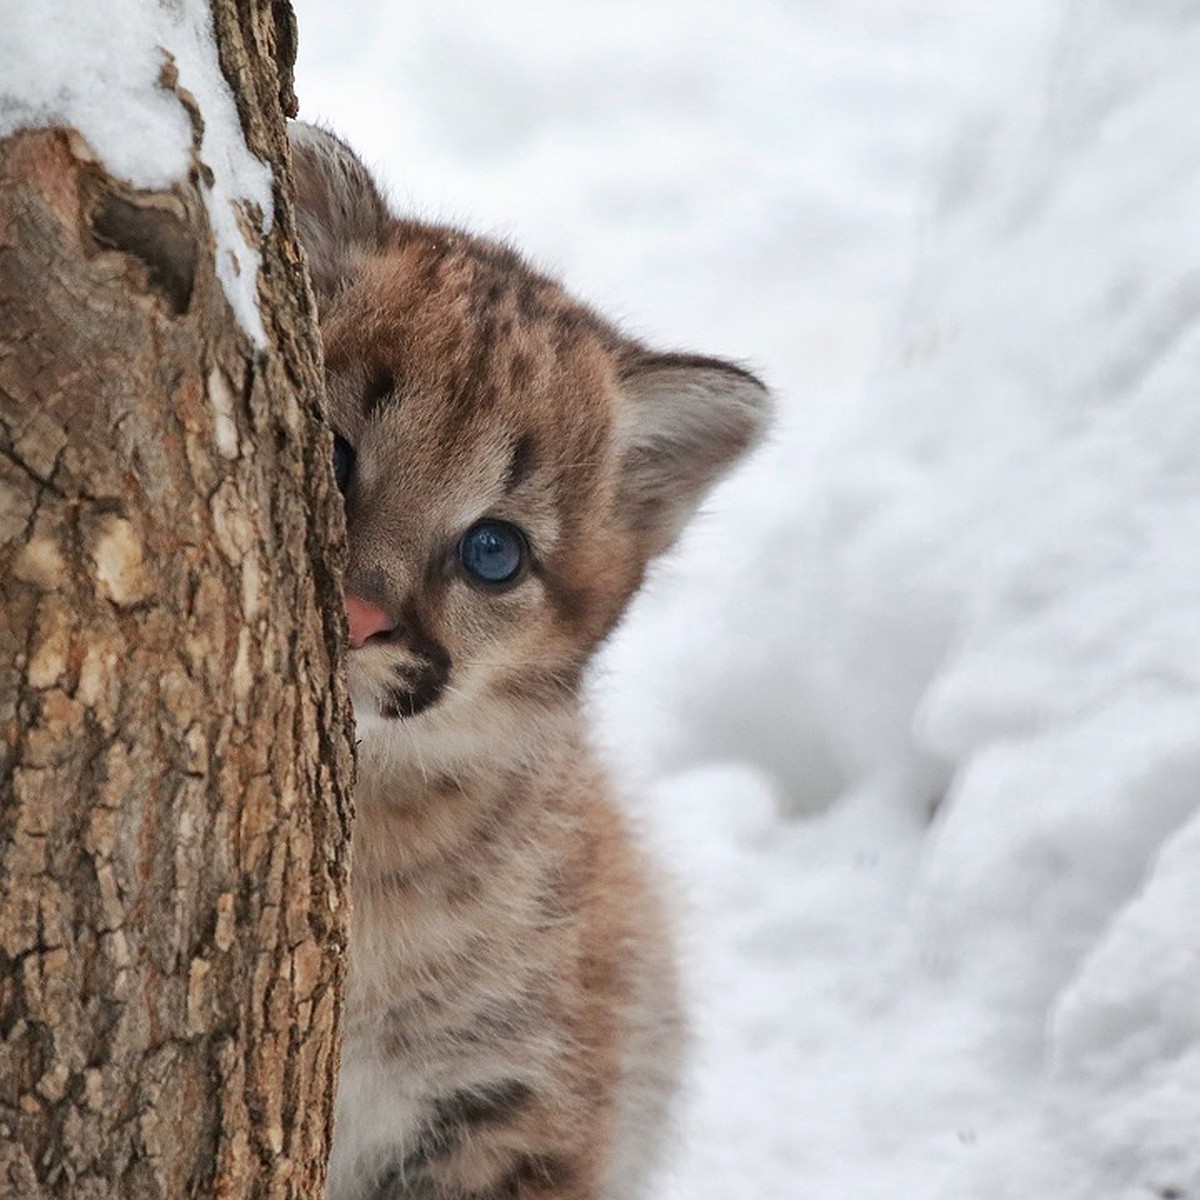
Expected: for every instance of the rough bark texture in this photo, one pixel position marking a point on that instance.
(174, 744)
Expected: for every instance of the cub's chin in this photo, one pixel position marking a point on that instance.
(469, 727)
(407, 714)
(390, 687)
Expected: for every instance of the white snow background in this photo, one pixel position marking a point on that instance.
(913, 714)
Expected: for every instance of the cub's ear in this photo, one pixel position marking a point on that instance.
(340, 215)
(687, 420)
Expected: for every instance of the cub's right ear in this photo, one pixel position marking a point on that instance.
(340, 214)
(687, 420)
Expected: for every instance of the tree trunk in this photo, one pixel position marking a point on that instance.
(175, 751)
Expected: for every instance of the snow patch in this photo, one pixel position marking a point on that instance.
(97, 68)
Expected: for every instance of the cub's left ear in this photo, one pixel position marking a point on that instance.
(341, 217)
(687, 421)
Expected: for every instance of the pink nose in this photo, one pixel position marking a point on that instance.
(365, 620)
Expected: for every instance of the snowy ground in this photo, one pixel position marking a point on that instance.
(915, 708)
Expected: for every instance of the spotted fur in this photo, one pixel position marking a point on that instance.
(512, 1030)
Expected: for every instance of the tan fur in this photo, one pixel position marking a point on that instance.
(512, 1022)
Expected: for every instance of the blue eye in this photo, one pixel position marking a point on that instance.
(343, 462)
(492, 552)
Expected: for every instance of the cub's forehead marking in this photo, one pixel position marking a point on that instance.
(522, 463)
(379, 390)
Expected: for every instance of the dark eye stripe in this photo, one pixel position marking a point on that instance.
(380, 387)
(343, 462)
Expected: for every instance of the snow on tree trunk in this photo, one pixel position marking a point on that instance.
(175, 747)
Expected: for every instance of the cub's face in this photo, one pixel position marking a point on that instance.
(509, 462)
(476, 454)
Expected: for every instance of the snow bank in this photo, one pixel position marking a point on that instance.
(1065, 492)
(96, 67)
(993, 576)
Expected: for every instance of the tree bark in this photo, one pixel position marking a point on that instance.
(175, 745)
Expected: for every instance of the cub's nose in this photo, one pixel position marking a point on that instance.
(365, 621)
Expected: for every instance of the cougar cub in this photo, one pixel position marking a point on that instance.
(510, 463)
